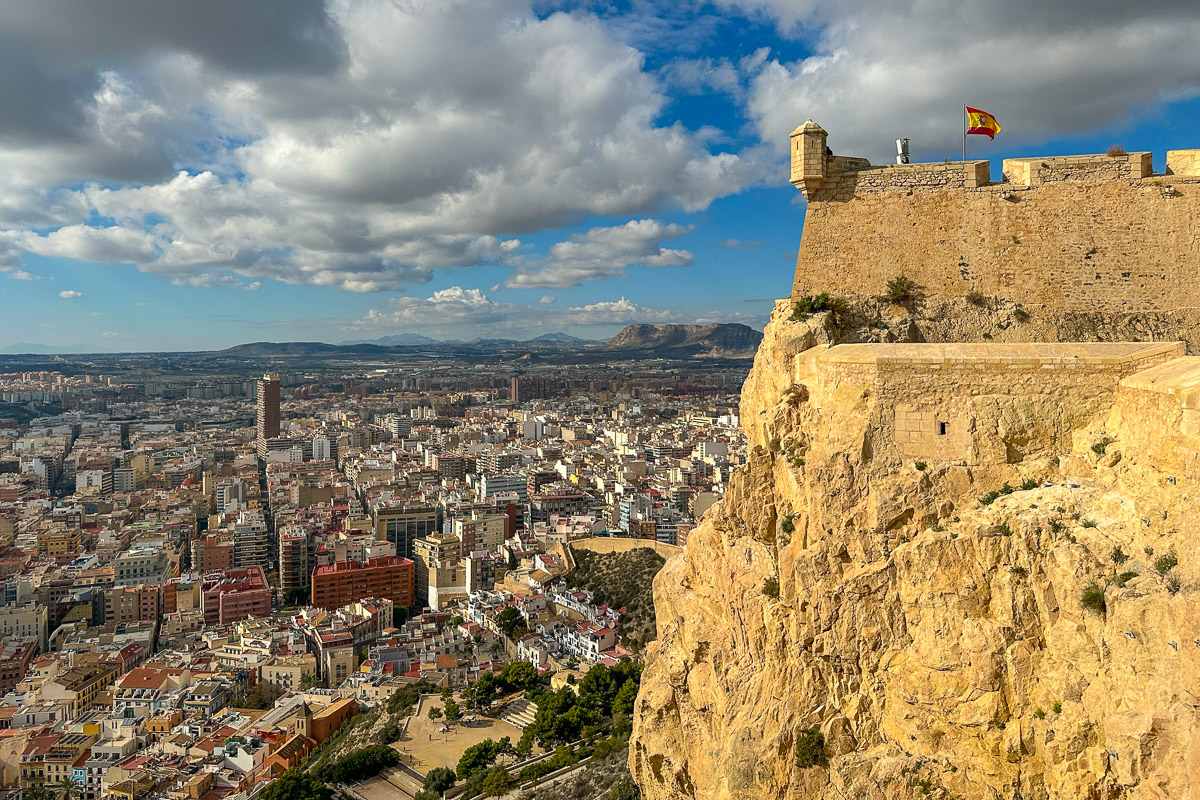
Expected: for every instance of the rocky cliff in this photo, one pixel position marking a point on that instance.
(851, 623)
(725, 340)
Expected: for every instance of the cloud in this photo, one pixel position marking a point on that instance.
(357, 145)
(458, 309)
(22, 275)
(616, 312)
(547, 299)
(882, 69)
(70, 294)
(738, 244)
(603, 253)
(253, 286)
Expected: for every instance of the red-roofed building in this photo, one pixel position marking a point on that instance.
(235, 595)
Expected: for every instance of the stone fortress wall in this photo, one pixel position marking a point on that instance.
(1073, 233)
(979, 404)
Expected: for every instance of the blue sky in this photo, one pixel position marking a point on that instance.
(348, 169)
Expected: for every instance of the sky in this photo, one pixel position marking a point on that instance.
(190, 176)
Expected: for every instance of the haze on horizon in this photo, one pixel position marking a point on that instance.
(194, 176)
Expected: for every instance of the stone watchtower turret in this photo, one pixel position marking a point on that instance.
(808, 158)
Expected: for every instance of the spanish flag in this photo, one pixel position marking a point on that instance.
(979, 121)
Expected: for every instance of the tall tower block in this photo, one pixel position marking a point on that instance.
(268, 409)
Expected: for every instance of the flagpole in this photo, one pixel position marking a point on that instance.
(964, 133)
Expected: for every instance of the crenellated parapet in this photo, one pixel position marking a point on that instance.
(1083, 233)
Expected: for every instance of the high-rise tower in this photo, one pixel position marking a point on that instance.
(268, 409)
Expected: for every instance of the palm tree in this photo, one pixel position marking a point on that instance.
(68, 788)
(37, 792)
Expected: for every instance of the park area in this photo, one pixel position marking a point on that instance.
(424, 746)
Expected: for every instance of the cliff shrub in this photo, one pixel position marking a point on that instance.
(1020, 315)
(1119, 556)
(1088, 523)
(1124, 578)
(1057, 707)
(1116, 151)
(976, 298)
(901, 289)
(1093, 598)
(810, 748)
(811, 304)
(921, 466)
(787, 526)
(1166, 562)
(1039, 712)
(1028, 483)
(771, 588)
(1099, 447)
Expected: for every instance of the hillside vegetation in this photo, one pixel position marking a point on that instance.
(622, 580)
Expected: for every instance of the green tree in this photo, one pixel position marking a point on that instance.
(363, 763)
(519, 675)
(309, 680)
(623, 704)
(456, 621)
(439, 779)
(37, 792)
(435, 713)
(509, 620)
(68, 788)
(296, 785)
(453, 710)
(478, 757)
(497, 782)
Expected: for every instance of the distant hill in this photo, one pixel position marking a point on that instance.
(557, 337)
(728, 340)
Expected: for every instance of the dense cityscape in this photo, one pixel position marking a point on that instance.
(181, 551)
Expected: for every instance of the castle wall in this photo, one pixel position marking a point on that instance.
(1079, 233)
(983, 403)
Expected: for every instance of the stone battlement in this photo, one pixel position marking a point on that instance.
(1073, 233)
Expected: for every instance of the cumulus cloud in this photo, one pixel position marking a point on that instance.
(459, 309)
(884, 69)
(603, 253)
(546, 299)
(358, 145)
(70, 294)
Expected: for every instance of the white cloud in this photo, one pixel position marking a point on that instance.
(69, 294)
(458, 309)
(253, 286)
(604, 253)
(884, 69)
(417, 136)
(22, 275)
(547, 299)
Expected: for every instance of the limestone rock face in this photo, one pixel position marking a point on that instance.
(940, 644)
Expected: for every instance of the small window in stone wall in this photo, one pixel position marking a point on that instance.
(943, 428)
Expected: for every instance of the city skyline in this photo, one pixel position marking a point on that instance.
(353, 170)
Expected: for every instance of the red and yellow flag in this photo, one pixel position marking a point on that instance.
(979, 121)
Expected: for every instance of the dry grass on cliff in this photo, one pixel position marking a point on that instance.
(622, 579)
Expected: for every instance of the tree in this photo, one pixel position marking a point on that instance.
(623, 704)
(497, 782)
(484, 691)
(509, 620)
(479, 757)
(512, 560)
(263, 695)
(363, 763)
(68, 788)
(456, 621)
(435, 713)
(519, 675)
(37, 792)
(453, 711)
(439, 779)
(309, 680)
(296, 785)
